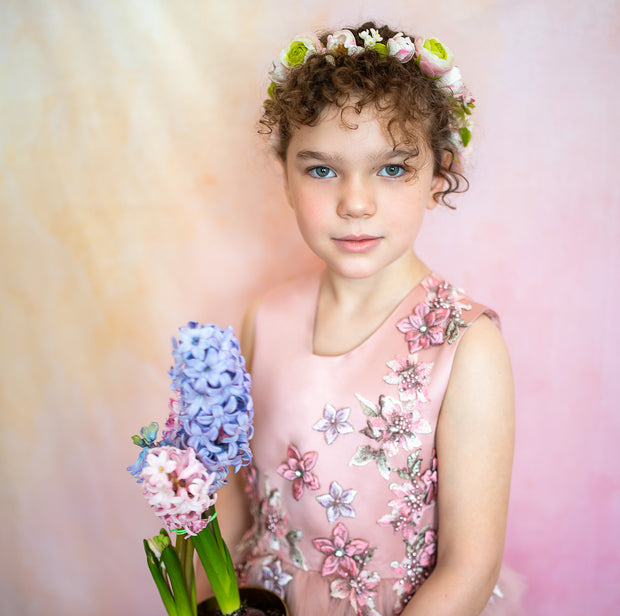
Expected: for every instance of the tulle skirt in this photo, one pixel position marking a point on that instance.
(308, 594)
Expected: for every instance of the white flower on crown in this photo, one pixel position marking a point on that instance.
(453, 81)
(370, 38)
(300, 49)
(401, 47)
(343, 40)
(278, 73)
(433, 58)
(294, 54)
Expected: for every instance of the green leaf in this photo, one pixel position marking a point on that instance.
(465, 136)
(177, 581)
(370, 409)
(383, 465)
(218, 566)
(363, 455)
(154, 565)
(381, 49)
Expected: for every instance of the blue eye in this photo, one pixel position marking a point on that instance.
(321, 172)
(391, 171)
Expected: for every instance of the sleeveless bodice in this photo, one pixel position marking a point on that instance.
(344, 477)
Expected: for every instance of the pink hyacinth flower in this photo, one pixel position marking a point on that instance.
(177, 486)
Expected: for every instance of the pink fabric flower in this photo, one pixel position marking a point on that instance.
(407, 509)
(433, 57)
(395, 426)
(340, 552)
(428, 556)
(429, 478)
(176, 486)
(359, 590)
(343, 40)
(297, 469)
(424, 327)
(411, 377)
(441, 294)
(401, 47)
(273, 521)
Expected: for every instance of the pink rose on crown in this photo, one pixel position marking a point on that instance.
(343, 40)
(434, 58)
(401, 47)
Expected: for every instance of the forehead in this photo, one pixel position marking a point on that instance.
(339, 126)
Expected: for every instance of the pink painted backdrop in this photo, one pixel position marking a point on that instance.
(136, 196)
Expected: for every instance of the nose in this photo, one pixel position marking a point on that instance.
(356, 199)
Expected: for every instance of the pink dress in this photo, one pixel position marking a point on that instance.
(344, 477)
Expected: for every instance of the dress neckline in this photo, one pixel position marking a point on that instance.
(366, 341)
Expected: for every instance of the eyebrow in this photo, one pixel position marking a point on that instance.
(381, 154)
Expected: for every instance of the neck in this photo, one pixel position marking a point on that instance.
(382, 290)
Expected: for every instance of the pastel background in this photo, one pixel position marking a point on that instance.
(136, 196)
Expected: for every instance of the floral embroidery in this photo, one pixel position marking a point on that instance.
(392, 426)
(274, 578)
(333, 423)
(423, 327)
(429, 478)
(338, 502)
(297, 469)
(441, 295)
(341, 552)
(347, 558)
(269, 534)
(411, 377)
(416, 566)
(412, 497)
(272, 521)
(360, 590)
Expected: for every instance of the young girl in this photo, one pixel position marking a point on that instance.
(383, 394)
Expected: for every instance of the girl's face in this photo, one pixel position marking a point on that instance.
(357, 207)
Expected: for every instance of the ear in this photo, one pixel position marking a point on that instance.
(437, 185)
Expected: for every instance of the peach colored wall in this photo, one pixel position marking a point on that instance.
(135, 196)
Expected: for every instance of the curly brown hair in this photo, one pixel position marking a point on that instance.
(412, 103)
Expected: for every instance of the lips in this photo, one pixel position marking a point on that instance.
(357, 243)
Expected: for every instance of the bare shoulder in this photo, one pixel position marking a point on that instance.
(482, 369)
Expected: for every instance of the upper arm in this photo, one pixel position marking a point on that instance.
(475, 437)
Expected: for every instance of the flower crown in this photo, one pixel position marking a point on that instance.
(433, 59)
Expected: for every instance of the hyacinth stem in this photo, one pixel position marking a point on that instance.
(154, 565)
(185, 551)
(218, 565)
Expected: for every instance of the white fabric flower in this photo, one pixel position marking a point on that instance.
(300, 49)
(401, 47)
(453, 81)
(370, 38)
(333, 423)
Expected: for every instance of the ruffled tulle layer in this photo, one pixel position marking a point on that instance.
(308, 594)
